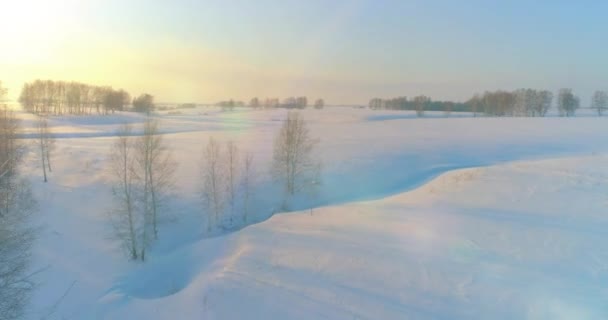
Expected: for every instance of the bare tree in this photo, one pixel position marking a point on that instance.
(44, 142)
(247, 185)
(599, 102)
(143, 175)
(213, 183)
(474, 104)
(232, 173)
(48, 141)
(543, 102)
(16, 236)
(522, 104)
(227, 184)
(116, 100)
(254, 103)
(144, 103)
(420, 102)
(294, 164)
(301, 102)
(567, 102)
(155, 165)
(319, 104)
(128, 223)
(448, 107)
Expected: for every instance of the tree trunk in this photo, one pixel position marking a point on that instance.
(48, 160)
(42, 155)
(153, 194)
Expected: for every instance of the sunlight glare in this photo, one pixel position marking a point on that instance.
(30, 28)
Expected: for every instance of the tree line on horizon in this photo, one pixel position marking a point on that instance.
(300, 102)
(62, 97)
(48, 97)
(518, 103)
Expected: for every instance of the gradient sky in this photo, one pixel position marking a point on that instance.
(343, 51)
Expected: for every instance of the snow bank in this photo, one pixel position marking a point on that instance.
(519, 241)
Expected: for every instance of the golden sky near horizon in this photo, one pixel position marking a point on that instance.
(346, 51)
(81, 41)
(48, 40)
(53, 40)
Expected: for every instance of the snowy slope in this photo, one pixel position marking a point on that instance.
(519, 241)
(512, 241)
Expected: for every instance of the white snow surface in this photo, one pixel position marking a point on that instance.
(432, 218)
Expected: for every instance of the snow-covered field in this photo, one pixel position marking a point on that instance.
(433, 218)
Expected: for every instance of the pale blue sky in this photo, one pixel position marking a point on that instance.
(345, 51)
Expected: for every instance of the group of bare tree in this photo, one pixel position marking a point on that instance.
(532, 103)
(420, 104)
(227, 184)
(521, 103)
(518, 103)
(288, 103)
(60, 97)
(269, 103)
(16, 235)
(228, 177)
(143, 172)
(294, 103)
(229, 105)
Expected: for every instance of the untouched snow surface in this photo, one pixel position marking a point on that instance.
(513, 240)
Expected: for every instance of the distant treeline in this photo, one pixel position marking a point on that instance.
(60, 97)
(418, 104)
(521, 102)
(288, 103)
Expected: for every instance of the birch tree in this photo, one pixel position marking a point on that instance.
(599, 102)
(474, 103)
(16, 237)
(227, 185)
(420, 102)
(213, 183)
(144, 103)
(127, 220)
(232, 174)
(567, 102)
(48, 143)
(294, 164)
(543, 102)
(319, 104)
(247, 185)
(143, 172)
(157, 169)
(44, 143)
(254, 103)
